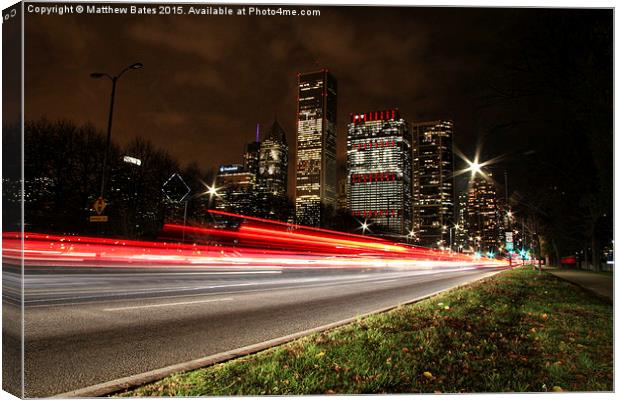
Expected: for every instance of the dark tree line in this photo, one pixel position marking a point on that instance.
(551, 110)
(62, 178)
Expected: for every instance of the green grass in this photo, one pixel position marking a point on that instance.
(517, 331)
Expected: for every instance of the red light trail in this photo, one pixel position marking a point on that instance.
(255, 242)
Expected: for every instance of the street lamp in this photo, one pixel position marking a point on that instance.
(114, 79)
(456, 228)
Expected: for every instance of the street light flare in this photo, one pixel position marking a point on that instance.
(212, 190)
(475, 167)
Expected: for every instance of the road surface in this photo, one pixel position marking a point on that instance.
(91, 325)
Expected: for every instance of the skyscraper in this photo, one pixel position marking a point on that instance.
(379, 170)
(461, 237)
(483, 214)
(272, 180)
(433, 182)
(273, 161)
(235, 189)
(252, 154)
(315, 183)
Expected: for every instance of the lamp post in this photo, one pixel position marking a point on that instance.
(456, 228)
(114, 79)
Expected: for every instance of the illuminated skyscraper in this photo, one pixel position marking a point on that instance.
(252, 154)
(315, 184)
(273, 161)
(235, 190)
(433, 182)
(379, 170)
(272, 178)
(483, 214)
(461, 236)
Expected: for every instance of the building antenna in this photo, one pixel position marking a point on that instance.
(258, 132)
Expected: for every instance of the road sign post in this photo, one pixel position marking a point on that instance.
(99, 205)
(176, 190)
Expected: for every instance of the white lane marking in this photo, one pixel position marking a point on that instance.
(367, 279)
(311, 286)
(45, 278)
(181, 303)
(389, 280)
(146, 291)
(104, 292)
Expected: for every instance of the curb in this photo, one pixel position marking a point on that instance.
(120, 384)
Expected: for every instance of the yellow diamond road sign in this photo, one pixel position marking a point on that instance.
(99, 205)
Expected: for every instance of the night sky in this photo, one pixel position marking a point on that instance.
(208, 80)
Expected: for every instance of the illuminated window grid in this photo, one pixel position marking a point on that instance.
(378, 180)
(433, 180)
(316, 146)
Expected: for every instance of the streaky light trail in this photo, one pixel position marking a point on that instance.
(255, 242)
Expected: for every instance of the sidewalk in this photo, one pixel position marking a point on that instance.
(599, 283)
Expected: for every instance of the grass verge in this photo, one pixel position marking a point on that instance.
(517, 331)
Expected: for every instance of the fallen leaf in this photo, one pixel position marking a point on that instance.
(427, 374)
(405, 350)
(557, 389)
(321, 354)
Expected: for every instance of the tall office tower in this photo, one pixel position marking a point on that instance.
(236, 190)
(273, 175)
(341, 203)
(273, 161)
(482, 214)
(315, 184)
(379, 170)
(501, 215)
(251, 154)
(433, 182)
(461, 237)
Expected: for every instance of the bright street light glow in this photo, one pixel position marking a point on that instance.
(212, 190)
(364, 227)
(475, 167)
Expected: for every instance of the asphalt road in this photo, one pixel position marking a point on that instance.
(90, 325)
